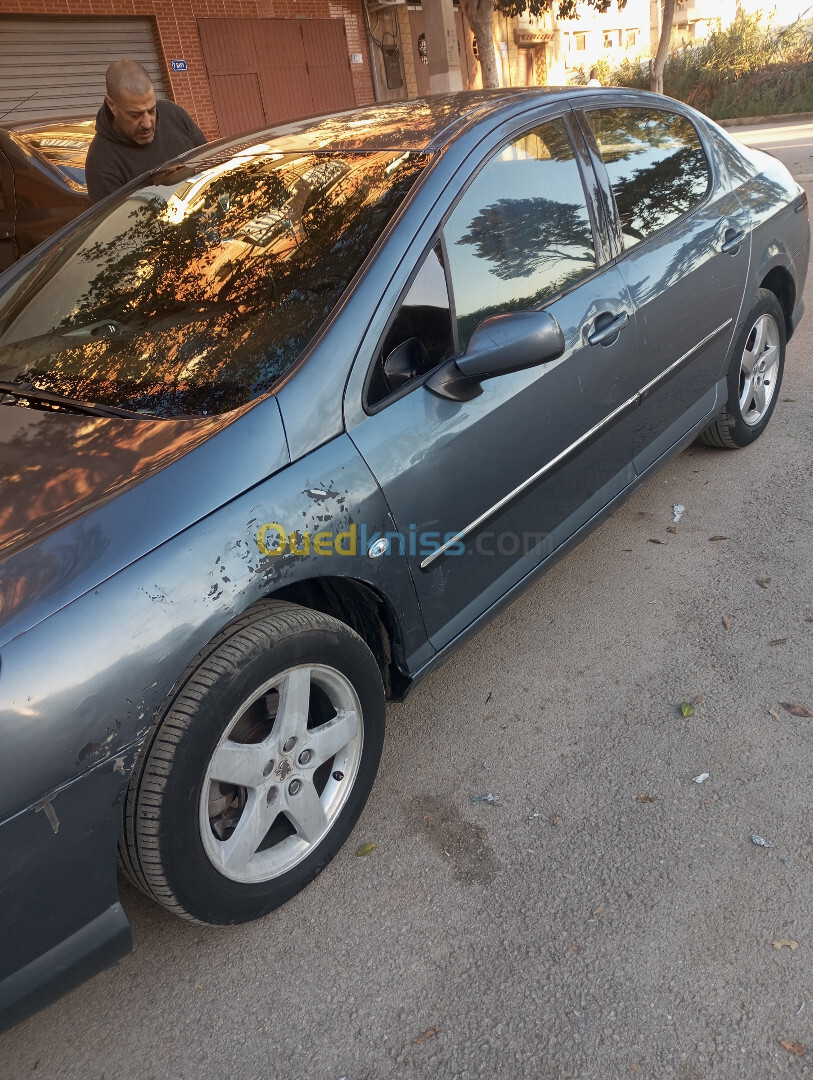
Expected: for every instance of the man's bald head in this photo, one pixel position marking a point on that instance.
(131, 99)
(129, 76)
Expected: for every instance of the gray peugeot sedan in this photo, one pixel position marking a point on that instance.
(288, 419)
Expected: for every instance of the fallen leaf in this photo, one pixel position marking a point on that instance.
(727, 621)
(785, 942)
(430, 1033)
(555, 820)
(775, 715)
(718, 538)
(788, 398)
(779, 641)
(365, 849)
(652, 540)
(796, 710)
(671, 529)
(686, 708)
(763, 582)
(647, 798)
(698, 700)
(792, 1047)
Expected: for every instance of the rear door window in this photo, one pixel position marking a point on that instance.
(657, 167)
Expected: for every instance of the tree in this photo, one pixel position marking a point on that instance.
(480, 16)
(656, 65)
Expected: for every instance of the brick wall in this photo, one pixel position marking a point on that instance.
(175, 27)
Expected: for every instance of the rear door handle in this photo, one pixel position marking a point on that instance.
(733, 241)
(604, 335)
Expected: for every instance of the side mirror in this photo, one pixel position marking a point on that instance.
(499, 346)
(406, 362)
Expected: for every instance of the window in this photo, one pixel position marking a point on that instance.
(521, 232)
(657, 167)
(581, 42)
(420, 335)
(193, 294)
(631, 39)
(610, 39)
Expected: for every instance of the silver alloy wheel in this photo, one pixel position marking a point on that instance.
(759, 369)
(275, 786)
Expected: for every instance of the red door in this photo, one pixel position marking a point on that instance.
(265, 71)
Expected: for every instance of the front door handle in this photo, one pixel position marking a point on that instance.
(607, 331)
(6, 236)
(732, 241)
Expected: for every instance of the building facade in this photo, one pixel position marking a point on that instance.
(232, 64)
(237, 65)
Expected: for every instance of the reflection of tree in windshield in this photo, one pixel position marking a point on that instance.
(206, 298)
(521, 236)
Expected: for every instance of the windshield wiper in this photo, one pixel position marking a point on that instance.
(30, 392)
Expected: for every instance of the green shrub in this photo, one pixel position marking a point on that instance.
(748, 69)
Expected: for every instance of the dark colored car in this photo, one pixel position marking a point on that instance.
(284, 422)
(42, 182)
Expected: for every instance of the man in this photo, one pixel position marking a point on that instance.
(134, 132)
(594, 79)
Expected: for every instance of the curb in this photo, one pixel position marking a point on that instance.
(743, 121)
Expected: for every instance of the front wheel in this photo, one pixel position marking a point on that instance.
(259, 767)
(754, 376)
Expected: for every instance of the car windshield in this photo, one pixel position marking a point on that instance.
(191, 295)
(65, 153)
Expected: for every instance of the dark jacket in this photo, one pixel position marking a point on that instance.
(113, 159)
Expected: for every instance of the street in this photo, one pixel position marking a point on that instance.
(606, 914)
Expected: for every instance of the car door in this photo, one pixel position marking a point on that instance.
(482, 490)
(685, 249)
(8, 244)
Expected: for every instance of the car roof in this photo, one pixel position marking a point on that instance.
(420, 124)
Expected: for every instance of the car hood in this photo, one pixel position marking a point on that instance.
(81, 497)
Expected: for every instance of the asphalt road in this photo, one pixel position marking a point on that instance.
(610, 918)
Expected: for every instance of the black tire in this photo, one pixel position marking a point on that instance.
(754, 376)
(223, 830)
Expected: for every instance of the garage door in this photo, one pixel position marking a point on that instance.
(54, 68)
(263, 71)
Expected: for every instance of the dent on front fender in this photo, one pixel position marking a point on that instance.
(114, 654)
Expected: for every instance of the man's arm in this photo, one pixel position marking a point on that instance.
(198, 138)
(102, 176)
(183, 122)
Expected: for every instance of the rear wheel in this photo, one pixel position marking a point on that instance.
(754, 376)
(259, 767)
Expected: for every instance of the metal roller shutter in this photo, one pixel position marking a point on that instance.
(54, 69)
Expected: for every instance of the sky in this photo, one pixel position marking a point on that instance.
(786, 10)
